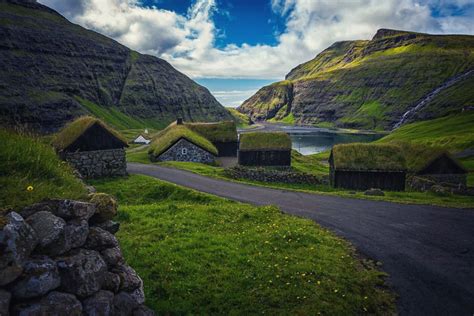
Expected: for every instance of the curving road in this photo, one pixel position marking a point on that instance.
(428, 251)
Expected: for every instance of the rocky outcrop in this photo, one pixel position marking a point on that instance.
(372, 84)
(52, 71)
(61, 260)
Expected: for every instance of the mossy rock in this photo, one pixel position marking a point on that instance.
(106, 207)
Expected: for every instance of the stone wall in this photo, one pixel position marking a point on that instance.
(191, 153)
(98, 163)
(60, 257)
(284, 175)
(457, 182)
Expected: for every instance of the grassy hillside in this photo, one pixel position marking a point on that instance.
(240, 119)
(199, 254)
(371, 84)
(31, 171)
(454, 133)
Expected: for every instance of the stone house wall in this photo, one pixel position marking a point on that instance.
(60, 257)
(184, 150)
(98, 163)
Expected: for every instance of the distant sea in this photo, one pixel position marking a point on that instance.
(233, 92)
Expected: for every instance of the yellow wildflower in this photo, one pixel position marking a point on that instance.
(29, 188)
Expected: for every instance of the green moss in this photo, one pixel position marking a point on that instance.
(222, 257)
(172, 134)
(362, 156)
(265, 141)
(76, 128)
(28, 161)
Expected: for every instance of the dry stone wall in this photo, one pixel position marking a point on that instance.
(262, 174)
(98, 163)
(60, 257)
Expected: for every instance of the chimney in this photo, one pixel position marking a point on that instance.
(179, 121)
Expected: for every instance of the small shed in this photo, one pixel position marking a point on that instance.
(223, 135)
(359, 166)
(434, 164)
(265, 149)
(92, 148)
(141, 140)
(179, 143)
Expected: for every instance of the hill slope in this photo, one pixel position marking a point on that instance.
(52, 70)
(371, 84)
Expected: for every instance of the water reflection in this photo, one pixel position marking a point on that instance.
(316, 142)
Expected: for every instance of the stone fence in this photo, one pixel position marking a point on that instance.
(98, 163)
(261, 174)
(60, 257)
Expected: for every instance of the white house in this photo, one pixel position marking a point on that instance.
(141, 140)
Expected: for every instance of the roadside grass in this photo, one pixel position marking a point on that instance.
(200, 254)
(306, 164)
(29, 161)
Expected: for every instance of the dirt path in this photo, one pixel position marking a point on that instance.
(428, 251)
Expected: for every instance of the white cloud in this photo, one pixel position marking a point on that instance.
(187, 41)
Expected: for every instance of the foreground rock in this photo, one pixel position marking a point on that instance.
(65, 260)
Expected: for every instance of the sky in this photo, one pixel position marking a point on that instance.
(234, 47)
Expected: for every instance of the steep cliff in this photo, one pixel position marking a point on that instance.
(52, 70)
(372, 84)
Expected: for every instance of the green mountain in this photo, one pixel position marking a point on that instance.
(52, 70)
(395, 78)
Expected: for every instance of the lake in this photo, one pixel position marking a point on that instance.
(313, 140)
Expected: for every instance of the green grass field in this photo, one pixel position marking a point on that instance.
(199, 254)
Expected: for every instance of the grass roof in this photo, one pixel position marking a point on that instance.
(265, 141)
(166, 138)
(76, 128)
(216, 132)
(365, 157)
(419, 156)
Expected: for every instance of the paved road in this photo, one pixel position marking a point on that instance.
(428, 251)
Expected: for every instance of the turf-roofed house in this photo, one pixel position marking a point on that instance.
(265, 149)
(92, 148)
(433, 166)
(359, 166)
(178, 142)
(223, 135)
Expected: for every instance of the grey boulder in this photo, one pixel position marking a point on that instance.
(143, 311)
(111, 282)
(112, 256)
(82, 273)
(124, 304)
(99, 304)
(50, 230)
(17, 241)
(129, 279)
(39, 277)
(76, 232)
(5, 298)
(110, 226)
(54, 304)
(99, 239)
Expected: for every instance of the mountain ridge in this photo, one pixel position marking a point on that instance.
(370, 84)
(54, 70)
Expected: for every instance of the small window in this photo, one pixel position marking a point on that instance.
(184, 151)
